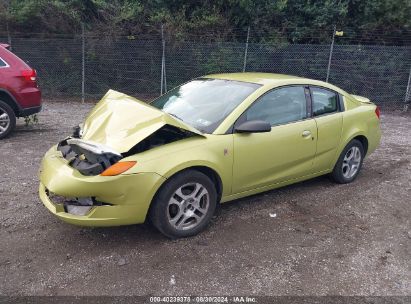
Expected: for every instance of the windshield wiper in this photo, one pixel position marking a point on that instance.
(174, 115)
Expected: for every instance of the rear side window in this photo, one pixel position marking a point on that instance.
(280, 106)
(2, 63)
(324, 101)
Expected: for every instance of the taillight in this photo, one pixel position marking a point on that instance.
(377, 112)
(29, 75)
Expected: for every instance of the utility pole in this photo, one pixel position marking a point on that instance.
(163, 63)
(246, 49)
(83, 64)
(8, 35)
(408, 93)
(331, 55)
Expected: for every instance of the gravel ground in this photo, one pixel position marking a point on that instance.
(326, 239)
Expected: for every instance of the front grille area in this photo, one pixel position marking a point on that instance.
(75, 205)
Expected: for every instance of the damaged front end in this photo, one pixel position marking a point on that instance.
(89, 158)
(75, 205)
(84, 179)
(120, 126)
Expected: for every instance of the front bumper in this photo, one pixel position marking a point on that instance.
(127, 197)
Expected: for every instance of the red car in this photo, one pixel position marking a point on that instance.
(19, 93)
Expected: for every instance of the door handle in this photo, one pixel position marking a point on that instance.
(306, 133)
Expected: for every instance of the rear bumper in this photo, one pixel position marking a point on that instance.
(128, 196)
(28, 98)
(374, 139)
(25, 102)
(29, 111)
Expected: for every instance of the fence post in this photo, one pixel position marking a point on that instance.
(8, 35)
(83, 64)
(246, 49)
(408, 93)
(164, 60)
(163, 63)
(331, 55)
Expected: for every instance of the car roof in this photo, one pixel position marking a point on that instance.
(269, 80)
(260, 78)
(12, 59)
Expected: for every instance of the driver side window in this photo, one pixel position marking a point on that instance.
(280, 106)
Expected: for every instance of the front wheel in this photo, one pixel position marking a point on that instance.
(349, 163)
(7, 119)
(184, 205)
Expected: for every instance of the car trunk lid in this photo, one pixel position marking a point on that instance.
(362, 99)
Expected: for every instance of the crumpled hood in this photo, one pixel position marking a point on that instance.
(120, 122)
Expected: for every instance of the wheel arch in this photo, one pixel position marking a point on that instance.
(203, 168)
(364, 141)
(354, 135)
(213, 175)
(206, 170)
(360, 136)
(6, 97)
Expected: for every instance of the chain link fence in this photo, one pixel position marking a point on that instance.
(85, 66)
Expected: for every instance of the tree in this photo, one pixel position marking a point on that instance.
(292, 20)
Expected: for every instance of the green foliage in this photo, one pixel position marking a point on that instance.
(49, 16)
(220, 19)
(29, 120)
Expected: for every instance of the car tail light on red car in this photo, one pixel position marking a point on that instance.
(29, 75)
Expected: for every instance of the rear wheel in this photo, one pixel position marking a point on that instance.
(349, 163)
(7, 119)
(184, 205)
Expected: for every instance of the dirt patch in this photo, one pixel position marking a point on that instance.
(325, 238)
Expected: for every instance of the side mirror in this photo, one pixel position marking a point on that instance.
(253, 126)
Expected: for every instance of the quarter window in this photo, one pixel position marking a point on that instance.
(280, 106)
(2, 63)
(324, 101)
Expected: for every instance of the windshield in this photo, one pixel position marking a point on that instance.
(204, 103)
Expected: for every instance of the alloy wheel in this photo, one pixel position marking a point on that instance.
(188, 206)
(351, 162)
(4, 121)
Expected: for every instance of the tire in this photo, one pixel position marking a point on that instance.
(7, 119)
(349, 163)
(184, 205)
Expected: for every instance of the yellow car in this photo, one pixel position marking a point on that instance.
(211, 140)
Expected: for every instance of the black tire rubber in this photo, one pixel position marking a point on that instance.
(6, 108)
(337, 174)
(159, 206)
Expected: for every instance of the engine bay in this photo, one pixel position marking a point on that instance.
(91, 158)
